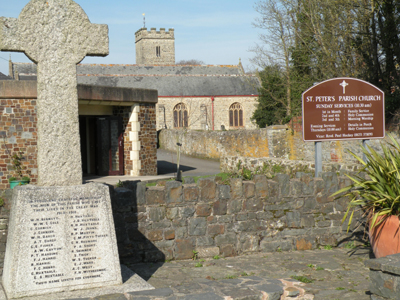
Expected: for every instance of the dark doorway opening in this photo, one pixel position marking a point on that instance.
(102, 145)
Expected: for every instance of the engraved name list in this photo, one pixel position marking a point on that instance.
(67, 241)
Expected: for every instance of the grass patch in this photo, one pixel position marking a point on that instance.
(350, 245)
(244, 274)
(224, 177)
(195, 254)
(303, 279)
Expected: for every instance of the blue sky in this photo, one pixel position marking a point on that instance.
(214, 31)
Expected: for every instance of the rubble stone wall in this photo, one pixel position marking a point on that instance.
(175, 220)
(278, 141)
(210, 217)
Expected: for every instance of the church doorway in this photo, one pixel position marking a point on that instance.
(102, 145)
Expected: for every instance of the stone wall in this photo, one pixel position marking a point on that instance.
(278, 141)
(217, 144)
(200, 111)
(172, 220)
(18, 134)
(232, 164)
(384, 277)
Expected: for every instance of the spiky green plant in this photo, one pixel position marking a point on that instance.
(378, 194)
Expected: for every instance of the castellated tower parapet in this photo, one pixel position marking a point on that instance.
(155, 47)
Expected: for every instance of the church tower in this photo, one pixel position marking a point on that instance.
(155, 47)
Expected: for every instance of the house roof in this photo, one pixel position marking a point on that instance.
(170, 80)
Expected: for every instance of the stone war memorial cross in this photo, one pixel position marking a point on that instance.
(56, 35)
(61, 234)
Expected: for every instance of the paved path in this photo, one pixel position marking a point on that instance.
(335, 274)
(190, 166)
(166, 164)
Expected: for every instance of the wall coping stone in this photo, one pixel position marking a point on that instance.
(384, 277)
(27, 89)
(390, 264)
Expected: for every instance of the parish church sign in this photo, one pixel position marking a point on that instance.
(343, 109)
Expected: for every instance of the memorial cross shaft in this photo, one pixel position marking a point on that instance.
(56, 35)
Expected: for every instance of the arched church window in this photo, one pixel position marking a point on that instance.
(181, 117)
(236, 115)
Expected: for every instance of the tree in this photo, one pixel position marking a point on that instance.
(270, 109)
(277, 21)
(313, 40)
(378, 45)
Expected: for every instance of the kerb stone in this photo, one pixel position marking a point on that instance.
(60, 239)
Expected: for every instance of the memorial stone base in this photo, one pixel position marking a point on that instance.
(60, 239)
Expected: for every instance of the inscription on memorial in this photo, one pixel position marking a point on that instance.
(343, 108)
(67, 238)
(82, 234)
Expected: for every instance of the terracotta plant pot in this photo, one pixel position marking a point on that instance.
(385, 238)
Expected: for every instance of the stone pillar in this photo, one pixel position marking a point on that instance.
(134, 126)
(277, 141)
(161, 117)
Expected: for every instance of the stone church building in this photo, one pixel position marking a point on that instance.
(207, 97)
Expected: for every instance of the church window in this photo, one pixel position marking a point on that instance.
(181, 117)
(236, 115)
(158, 51)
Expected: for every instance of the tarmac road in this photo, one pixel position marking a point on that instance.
(190, 166)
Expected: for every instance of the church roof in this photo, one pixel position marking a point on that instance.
(169, 80)
(4, 77)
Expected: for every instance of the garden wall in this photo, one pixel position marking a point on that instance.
(173, 220)
(269, 166)
(279, 141)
